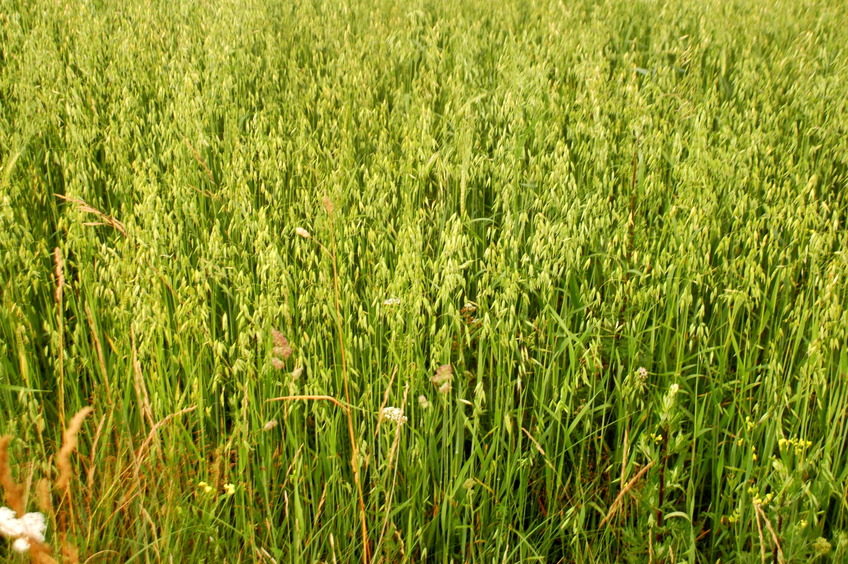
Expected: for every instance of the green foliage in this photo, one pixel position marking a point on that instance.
(545, 195)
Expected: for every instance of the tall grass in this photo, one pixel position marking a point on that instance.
(621, 224)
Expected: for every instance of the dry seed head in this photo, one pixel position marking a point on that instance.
(69, 444)
(282, 349)
(442, 378)
(60, 273)
(277, 363)
(14, 491)
(328, 205)
(301, 232)
(282, 352)
(269, 425)
(45, 501)
(444, 373)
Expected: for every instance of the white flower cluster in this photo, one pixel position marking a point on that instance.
(392, 302)
(394, 414)
(30, 527)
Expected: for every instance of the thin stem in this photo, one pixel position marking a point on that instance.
(354, 458)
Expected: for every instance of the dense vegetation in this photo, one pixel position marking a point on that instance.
(595, 251)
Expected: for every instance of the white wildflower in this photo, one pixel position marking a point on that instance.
(30, 527)
(34, 526)
(642, 373)
(10, 527)
(469, 308)
(394, 414)
(392, 302)
(20, 545)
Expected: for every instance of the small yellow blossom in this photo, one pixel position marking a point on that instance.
(229, 489)
(205, 487)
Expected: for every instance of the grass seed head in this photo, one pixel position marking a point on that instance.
(282, 349)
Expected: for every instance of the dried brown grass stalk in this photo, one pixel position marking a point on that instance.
(392, 468)
(354, 446)
(60, 324)
(104, 218)
(139, 456)
(63, 483)
(98, 347)
(629, 486)
(14, 492)
(780, 558)
(69, 444)
(354, 456)
(310, 398)
(199, 160)
(45, 500)
(760, 532)
(140, 387)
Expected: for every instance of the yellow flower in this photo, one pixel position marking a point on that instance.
(205, 487)
(229, 489)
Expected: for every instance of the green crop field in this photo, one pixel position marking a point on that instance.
(556, 281)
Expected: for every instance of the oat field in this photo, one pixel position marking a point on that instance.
(556, 281)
